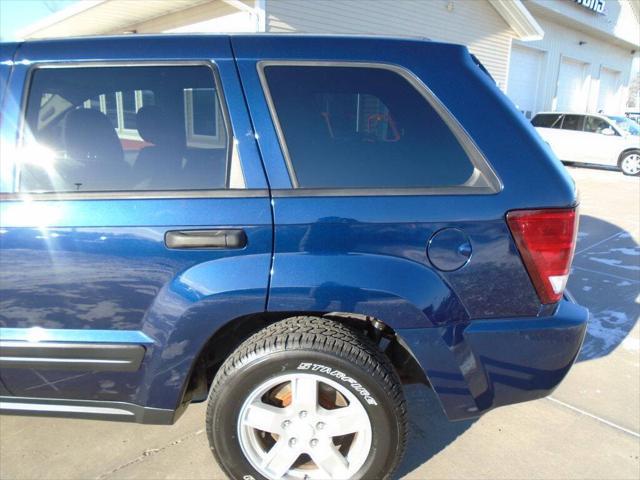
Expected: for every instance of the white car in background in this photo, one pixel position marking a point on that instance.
(595, 139)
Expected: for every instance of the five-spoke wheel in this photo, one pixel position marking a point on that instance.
(630, 163)
(304, 426)
(307, 398)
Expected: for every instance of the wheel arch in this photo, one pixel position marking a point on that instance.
(625, 152)
(231, 335)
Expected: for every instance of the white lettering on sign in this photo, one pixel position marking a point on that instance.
(595, 5)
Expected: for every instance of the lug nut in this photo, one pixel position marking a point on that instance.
(292, 442)
(286, 423)
(303, 413)
(320, 425)
(313, 442)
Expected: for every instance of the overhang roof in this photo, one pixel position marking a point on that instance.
(519, 19)
(95, 17)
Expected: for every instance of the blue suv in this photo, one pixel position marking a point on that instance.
(287, 227)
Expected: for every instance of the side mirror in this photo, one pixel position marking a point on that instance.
(609, 132)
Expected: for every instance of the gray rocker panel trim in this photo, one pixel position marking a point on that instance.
(86, 409)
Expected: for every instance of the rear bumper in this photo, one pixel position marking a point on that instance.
(480, 365)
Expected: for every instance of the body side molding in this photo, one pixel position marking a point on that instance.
(86, 409)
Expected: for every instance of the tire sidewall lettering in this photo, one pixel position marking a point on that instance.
(287, 362)
(339, 375)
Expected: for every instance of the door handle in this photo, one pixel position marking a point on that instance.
(222, 238)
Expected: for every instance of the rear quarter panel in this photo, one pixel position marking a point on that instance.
(367, 253)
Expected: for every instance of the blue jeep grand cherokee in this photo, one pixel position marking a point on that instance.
(289, 226)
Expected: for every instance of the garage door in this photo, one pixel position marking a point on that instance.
(524, 75)
(573, 86)
(609, 93)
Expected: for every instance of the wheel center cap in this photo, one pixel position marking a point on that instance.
(301, 430)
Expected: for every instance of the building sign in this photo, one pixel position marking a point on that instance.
(595, 5)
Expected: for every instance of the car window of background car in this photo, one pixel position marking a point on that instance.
(629, 126)
(546, 120)
(572, 122)
(124, 129)
(357, 127)
(595, 125)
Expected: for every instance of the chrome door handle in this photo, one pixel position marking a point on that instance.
(220, 238)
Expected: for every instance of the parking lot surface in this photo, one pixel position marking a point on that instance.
(588, 429)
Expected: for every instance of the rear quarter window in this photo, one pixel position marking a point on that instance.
(546, 120)
(365, 127)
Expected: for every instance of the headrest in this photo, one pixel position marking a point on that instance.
(156, 126)
(89, 135)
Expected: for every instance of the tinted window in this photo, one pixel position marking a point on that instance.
(356, 127)
(111, 108)
(124, 128)
(595, 125)
(204, 112)
(572, 122)
(546, 120)
(129, 109)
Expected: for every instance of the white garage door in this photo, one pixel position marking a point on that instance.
(609, 93)
(524, 75)
(573, 86)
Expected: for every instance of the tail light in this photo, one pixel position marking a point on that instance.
(546, 240)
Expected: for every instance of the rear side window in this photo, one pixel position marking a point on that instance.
(546, 120)
(140, 128)
(364, 127)
(572, 122)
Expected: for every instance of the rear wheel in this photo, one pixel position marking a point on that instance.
(307, 398)
(630, 163)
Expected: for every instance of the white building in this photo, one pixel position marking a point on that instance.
(546, 54)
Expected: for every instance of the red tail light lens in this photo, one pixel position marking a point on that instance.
(546, 240)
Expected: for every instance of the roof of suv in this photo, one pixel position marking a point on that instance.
(318, 36)
(604, 116)
(574, 113)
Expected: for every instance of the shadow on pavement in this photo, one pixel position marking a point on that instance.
(429, 429)
(606, 279)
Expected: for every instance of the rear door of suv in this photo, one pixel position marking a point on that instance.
(570, 139)
(138, 198)
(602, 142)
(368, 171)
(564, 133)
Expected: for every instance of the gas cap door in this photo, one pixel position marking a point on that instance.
(449, 249)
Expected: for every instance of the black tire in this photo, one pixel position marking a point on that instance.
(282, 348)
(622, 159)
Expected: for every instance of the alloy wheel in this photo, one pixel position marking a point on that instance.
(304, 426)
(630, 164)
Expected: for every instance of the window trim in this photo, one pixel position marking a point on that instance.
(477, 159)
(225, 192)
(140, 195)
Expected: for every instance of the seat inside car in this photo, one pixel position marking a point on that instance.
(90, 139)
(169, 161)
(157, 163)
